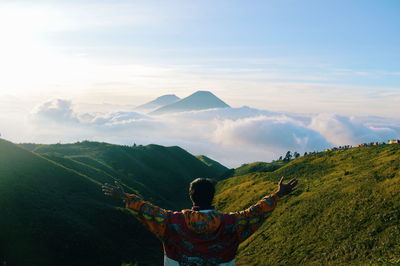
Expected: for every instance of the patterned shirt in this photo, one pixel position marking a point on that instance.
(199, 238)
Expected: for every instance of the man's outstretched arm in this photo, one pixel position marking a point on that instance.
(151, 216)
(250, 219)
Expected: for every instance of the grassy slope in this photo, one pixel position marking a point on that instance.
(51, 215)
(218, 168)
(100, 174)
(161, 174)
(258, 167)
(346, 209)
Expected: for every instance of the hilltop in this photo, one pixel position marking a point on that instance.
(346, 209)
(258, 167)
(216, 166)
(161, 174)
(199, 100)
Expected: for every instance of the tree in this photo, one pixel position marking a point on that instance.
(288, 156)
(305, 154)
(280, 158)
(296, 155)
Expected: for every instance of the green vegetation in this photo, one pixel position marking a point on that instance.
(258, 167)
(346, 209)
(160, 174)
(218, 168)
(54, 213)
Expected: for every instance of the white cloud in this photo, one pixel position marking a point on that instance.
(232, 136)
(343, 130)
(276, 133)
(223, 114)
(112, 118)
(55, 111)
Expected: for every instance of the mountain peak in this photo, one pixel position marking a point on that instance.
(203, 93)
(168, 96)
(158, 102)
(200, 100)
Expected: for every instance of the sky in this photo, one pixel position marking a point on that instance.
(322, 60)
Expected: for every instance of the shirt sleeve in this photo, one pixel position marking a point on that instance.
(151, 216)
(250, 219)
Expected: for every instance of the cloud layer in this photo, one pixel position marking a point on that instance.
(231, 135)
(342, 130)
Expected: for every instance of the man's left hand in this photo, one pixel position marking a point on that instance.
(284, 189)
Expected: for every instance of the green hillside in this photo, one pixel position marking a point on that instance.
(346, 209)
(258, 167)
(216, 166)
(54, 213)
(161, 174)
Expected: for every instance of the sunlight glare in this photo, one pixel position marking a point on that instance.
(22, 52)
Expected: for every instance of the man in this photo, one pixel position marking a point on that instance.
(200, 236)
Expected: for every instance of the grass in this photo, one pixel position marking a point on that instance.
(219, 169)
(54, 213)
(160, 174)
(258, 167)
(346, 209)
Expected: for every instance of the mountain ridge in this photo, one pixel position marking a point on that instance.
(218, 167)
(138, 166)
(158, 102)
(200, 100)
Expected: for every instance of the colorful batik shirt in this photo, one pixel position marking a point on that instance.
(201, 237)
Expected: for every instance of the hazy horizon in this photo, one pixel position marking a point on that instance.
(299, 76)
(232, 136)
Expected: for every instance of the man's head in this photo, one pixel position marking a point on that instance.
(201, 192)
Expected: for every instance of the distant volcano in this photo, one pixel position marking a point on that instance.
(158, 103)
(199, 100)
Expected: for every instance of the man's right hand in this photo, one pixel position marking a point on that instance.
(284, 189)
(116, 191)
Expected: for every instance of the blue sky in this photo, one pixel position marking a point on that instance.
(307, 56)
(356, 34)
(328, 70)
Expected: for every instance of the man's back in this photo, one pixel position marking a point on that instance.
(201, 237)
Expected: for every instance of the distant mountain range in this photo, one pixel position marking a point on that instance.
(157, 103)
(200, 100)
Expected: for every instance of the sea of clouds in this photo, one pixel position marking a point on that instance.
(232, 136)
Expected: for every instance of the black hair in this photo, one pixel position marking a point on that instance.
(201, 191)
